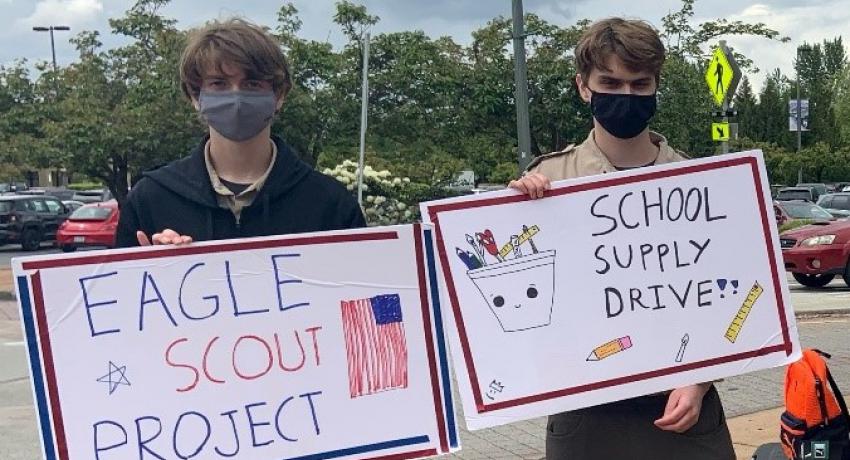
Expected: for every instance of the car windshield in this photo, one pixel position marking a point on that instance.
(805, 211)
(794, 195)
(5, 206)
(91, 213)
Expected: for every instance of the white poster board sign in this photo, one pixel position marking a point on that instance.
(613, 286)
(314, 346)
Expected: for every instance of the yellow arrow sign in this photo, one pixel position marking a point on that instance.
(720, 132)
(722, 75)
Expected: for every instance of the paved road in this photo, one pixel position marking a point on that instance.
(9, 251)
(524, 440)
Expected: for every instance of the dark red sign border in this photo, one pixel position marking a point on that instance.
(434, 214)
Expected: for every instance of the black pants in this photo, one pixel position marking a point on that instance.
(624, 430)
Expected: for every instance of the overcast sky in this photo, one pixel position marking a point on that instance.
(802, 20)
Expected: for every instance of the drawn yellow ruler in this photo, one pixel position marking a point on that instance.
(743, 312)
(525, 236)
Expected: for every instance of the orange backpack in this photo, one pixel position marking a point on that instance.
(815, 424)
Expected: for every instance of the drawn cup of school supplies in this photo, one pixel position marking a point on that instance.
(519, 292)
(741, 316)
(610, 348)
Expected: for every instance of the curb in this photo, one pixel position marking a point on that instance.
(822, 313)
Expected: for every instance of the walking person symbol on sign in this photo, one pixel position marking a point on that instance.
(718, 72)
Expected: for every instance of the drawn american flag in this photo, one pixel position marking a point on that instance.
(375, 344)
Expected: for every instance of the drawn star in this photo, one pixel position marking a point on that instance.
(115, 377)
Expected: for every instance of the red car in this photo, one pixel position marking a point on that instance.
(814, 254)
(90, 225)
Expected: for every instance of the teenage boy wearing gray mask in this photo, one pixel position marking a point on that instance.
(240, 181)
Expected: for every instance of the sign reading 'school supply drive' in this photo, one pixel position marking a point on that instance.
(612, 286)
(272, 348)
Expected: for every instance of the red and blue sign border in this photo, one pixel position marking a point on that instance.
(49, 408)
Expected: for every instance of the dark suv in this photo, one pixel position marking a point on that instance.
(29, 220)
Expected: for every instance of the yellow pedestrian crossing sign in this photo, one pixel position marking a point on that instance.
(722, 75)
(720, 132)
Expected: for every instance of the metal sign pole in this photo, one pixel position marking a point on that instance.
(364, 115)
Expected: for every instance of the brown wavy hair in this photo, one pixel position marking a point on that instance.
(636, 43)
(238, 43)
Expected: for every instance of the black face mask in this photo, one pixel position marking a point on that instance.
(623, 115)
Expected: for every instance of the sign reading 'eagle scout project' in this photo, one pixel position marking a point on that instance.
(612, 286)
(317, 346)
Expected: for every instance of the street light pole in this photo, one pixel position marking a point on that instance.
(364, 118)
(52, 42)
(52, 48)
(521, 94)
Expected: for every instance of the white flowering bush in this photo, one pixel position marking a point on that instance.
(386, 199)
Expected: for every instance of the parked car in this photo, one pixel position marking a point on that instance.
(816, 253)
(93, 196)
(12, 187)
(839, 186)
(796, 193)
(837, 204)
(775, 188)
(819, 189)
(56, 192)
(29, 220)
(90, 225)
(787, 211)
(72, 205)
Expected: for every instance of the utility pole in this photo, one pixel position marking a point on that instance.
(364, 115)
(799, 128)
(802, 49)
(521, 94)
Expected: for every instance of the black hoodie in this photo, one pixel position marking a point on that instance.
(294, 199)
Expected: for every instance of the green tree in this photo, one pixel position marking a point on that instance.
(841, 105)
(745, 104)
(771, 124)
(113, 104)
(683, 94)
(818, 70)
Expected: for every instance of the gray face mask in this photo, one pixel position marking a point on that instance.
(238, 115)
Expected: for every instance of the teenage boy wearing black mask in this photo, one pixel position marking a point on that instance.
(240, 181)
(619, 66)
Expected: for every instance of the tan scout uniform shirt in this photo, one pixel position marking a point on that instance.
(226, 198)
(587, 159)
